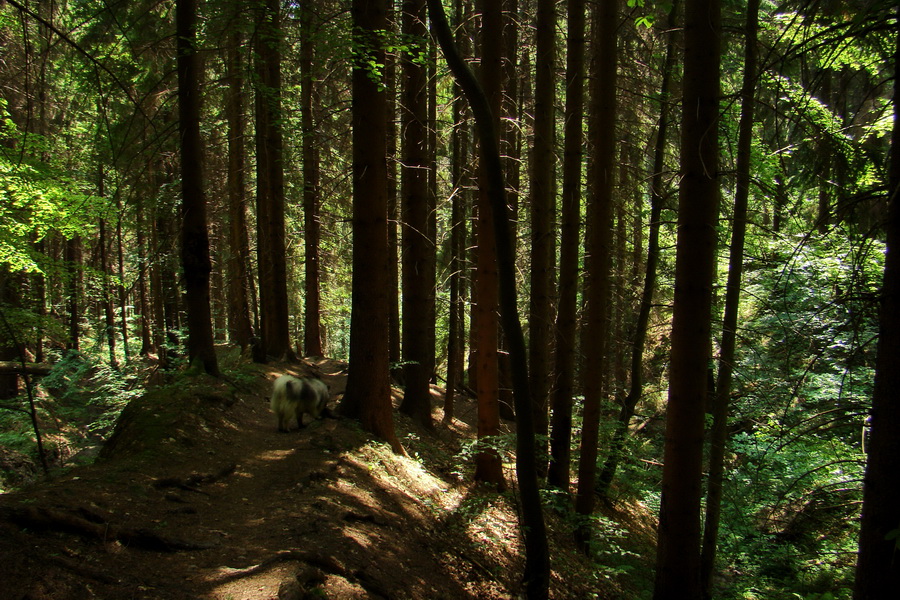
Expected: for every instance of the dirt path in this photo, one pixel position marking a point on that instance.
(203, 498)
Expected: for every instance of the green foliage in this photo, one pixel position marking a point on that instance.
(832, 41)
(90, 392)
(36, 200)
(504, 445)
(794, 464)
(15, 431)
(644, 20)
(366, 46)
(611, 559)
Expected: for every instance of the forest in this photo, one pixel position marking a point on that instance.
(620, 261)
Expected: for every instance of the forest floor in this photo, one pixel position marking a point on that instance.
(196, 495)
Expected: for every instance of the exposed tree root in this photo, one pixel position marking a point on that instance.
(327, 564)
(191, 482)
(57, 520)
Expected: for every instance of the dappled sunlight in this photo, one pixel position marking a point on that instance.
(492, 526)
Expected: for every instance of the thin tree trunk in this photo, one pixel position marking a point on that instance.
(312, 327)
(510, 127)
(39, 301)
(163, 281)
(510, 113)
(368, 395)
(194, 235)
(678, 548)
(826, 151)
(418, 234)
(559, 471)
(122, 291)
(719, 433)
(543, 204)
(240, 325)
(109, 317)
(393, 204)
(143, 299)
(639, 340)
(878, 565)
(159, 294)
(536, 577)
(601, 177)
(73, 286)
(459, 155)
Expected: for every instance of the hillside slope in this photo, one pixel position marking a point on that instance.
(196, 495)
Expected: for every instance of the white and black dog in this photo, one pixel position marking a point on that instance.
(294, 396)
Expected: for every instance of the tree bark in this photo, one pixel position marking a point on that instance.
(878, 565)
(678, 549)
(120, 288)
(639, 340)
(598, 242)
(312, 326)
(271, 251)
(368, 395)
(393, 205)
(719, 432)
(109, 317)
(543, 202)
(194, 236)
(559, 471)
(9, 349)
(143, 299)
(418, 233)
(536, 577)
(488, 466)
(460, 174)
(240, 325)
(74, 281)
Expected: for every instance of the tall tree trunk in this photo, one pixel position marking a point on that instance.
(719, 433)
(878, 565)
(678, 549)
(368, 395)
(194, 235)
(39, 301)
(460, 175)
(543, 204)
(10, 350)
(511, 124)
(75, 277)
(510, 131)
(159, 273)
(312, 325)
(602, 178)
(143, 298)
(488, 466)
(121, 289)
(639, 339)
(393, 204)
(536, 577)
(240, 325)
(109, 317)
(271, 253)
(418, 234)
(559, 471)
(826, 152)
(163, 280)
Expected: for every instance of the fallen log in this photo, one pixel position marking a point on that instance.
(9, 366)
